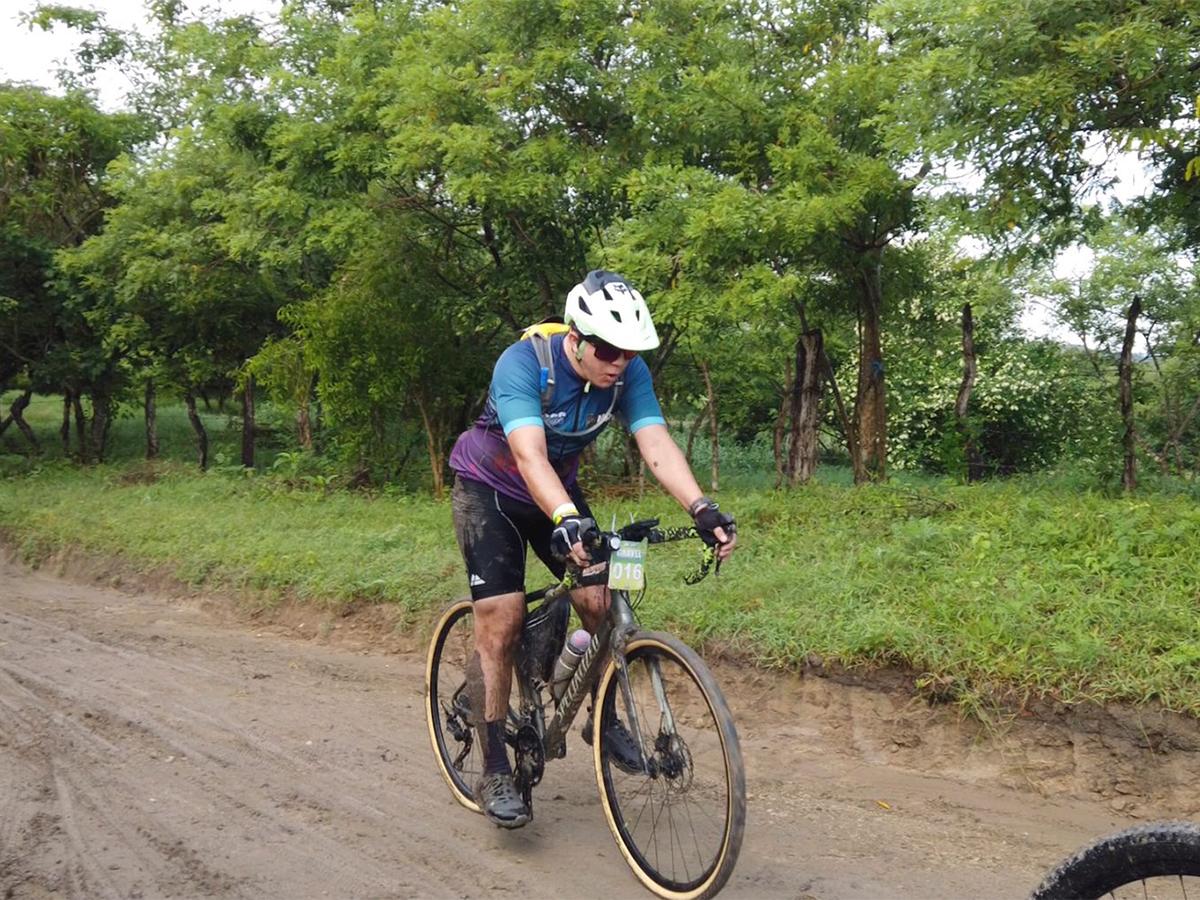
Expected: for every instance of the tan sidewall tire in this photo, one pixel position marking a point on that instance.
(735, 773)
(448, 617)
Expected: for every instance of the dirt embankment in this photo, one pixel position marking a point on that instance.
(153, 744)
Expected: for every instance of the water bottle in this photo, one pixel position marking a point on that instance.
(568, 662)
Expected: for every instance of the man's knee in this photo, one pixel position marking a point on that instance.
(498, 621)
(593, 599)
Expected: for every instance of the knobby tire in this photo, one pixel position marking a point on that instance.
(1162, 850)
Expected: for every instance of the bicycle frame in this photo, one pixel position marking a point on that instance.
(608, 642)
(618, 625)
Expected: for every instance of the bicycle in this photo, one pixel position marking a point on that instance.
(1157, 860)
(678, 816)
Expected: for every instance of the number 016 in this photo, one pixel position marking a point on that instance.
(623, 571)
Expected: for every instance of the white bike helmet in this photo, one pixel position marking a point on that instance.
(603, 305)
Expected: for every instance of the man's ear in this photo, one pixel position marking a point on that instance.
(576, 346)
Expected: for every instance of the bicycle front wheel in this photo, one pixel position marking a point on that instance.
(1160, 860)
(678, 815)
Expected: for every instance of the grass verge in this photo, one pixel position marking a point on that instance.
(1012, 591)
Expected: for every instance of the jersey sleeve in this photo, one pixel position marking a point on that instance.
(638, 406)
(516, 391)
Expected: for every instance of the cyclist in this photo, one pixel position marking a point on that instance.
(516, 485)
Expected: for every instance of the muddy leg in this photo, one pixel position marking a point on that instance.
(489, 674)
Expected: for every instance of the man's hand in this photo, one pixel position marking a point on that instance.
(569, 538)
(716, 528)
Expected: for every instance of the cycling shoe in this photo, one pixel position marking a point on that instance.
(500, 801)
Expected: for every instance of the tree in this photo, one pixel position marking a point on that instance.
(1139, 288)
(53, 156)
(769, 160)
(1025, 407)
(1037, 97)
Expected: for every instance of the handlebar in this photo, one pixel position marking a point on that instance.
(647, 530)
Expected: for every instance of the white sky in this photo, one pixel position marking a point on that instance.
(34, 56)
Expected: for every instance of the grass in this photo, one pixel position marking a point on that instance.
(1013, 591)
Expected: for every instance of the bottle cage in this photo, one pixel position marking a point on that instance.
(540, 335)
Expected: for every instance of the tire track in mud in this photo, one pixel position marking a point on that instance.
(146, 751)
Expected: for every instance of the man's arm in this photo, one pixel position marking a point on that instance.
(668, 464)
(528, 446)
(671, 468)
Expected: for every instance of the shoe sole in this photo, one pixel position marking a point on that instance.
(518, 822)
(626, 767)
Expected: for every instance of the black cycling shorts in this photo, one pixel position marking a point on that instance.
(493, 531)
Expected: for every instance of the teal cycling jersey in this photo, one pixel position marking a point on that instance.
(515, 400)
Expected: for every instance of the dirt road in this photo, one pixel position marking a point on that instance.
(150, 747)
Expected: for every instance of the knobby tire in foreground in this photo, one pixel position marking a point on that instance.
(1160, 860)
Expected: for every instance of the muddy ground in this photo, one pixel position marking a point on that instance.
(158, 745)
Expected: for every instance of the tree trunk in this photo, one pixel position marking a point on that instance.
(304, 434)
(700, 419)
(634, 462)
(785, 405)
(248, 424)
(847, 423)
(871, 402)
(962, 402)
(81, 433)
(1125, 379)
(17, 411)
(64, 430)
(630, 456)
(189, 400)
(151, 408)
(101, 419)
(437, 462)
(806, 408)
(4, 423)
(314, 414)
(1174, 441)
(713, 430)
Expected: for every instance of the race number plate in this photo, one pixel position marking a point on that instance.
(625, 567)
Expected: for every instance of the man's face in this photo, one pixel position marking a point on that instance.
(602, 364)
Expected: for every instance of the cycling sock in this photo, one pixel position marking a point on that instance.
(495, 756)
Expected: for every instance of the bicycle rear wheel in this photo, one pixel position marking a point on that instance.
(1161, 860)
(679, 820)
(447, 707)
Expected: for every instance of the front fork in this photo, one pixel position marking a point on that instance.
(624, 628)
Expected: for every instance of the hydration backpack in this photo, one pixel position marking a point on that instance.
(540, 334)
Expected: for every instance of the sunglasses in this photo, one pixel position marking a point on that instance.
(606, 352)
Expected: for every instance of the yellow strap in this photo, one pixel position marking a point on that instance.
(561, 512)
(544, 329)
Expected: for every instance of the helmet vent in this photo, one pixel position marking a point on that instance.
(584, 307)
(616, 315)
